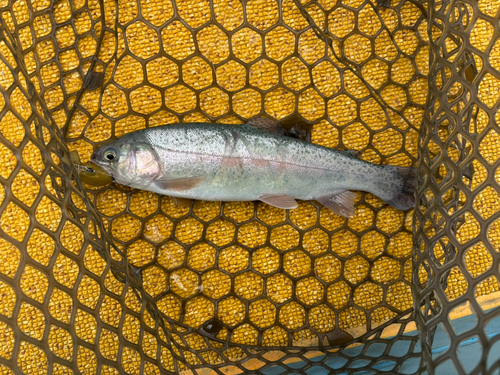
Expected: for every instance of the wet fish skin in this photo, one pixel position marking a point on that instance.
(241, 163)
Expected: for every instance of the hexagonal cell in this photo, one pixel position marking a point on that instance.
(270, 215)
(341, 22)
(275, 337)
(233, 259)
(155, 280)
(177, 41)
(71, 237)
(304, 216)
(309, 291)
(213, 44)
(229, 13)
(373, 244)
(368, 21)
(198, 311)
(311, 105)
(11, 128)
(140, 253)
(355, 137)
(114, 102)
(285, 237)
(368, 295)
(143, 203)
(357, 48)
(389, 220)
(326, 78)
(171, 255)
(279, 288)
(162, 72)
(400, 245)
(322, 318)
(295, 74)
(342, 110)
(197, 73)
(388, 142)
(48, 214)
(220, 232)
(487, 286)
(373, 115)
(248, 285)
(386, 270)
(310, 47)
(125, 228)
(356, 269)
(344, 243)
(481, 34)
(469, 230)
(184, 283)
(316, 241)
(402, 71)
(231, 76)
(247, 103)
(384, 47)
(264, 74)
(262, 14)
(31, 321)
(215, 284)
(201, 257)
(156, 13)
(157, 229)
(280, 43)
(399, 296)
(189, 231)
(327, 268)
(247, 45)
(252, 234)
(25, 188)
(478, 259)
(351, 317)
(292, 315)
(297, 263)
(262, 313)
(40, 248)
(145, 99)
(407, 41)
(488, 147)
(231, 311)
(214, 102)
(195, 13)
(146, 45)
(129, 72)
(363, 218)
(265, 260)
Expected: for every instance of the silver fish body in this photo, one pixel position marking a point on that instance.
(241, 163)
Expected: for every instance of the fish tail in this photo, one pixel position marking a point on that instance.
(405, 199)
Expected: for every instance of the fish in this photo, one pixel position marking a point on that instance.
(255, 161)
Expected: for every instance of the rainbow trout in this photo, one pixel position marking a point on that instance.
(248, 162)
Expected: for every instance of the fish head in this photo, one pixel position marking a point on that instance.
(128, 161)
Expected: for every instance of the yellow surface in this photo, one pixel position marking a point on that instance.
(182, 268)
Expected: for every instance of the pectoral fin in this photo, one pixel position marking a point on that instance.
(178, 184)
(183, 202)
(342, 203)
(281, 201)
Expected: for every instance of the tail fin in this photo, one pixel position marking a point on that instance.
(406, 198)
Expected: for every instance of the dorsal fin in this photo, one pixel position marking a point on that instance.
(263, 123)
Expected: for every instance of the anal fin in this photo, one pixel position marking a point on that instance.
(281, 201)
(341, 203)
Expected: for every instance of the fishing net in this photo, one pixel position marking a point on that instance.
(110, 280)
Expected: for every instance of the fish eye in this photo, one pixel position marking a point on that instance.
(110, 155)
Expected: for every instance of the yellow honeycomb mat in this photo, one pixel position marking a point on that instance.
(272, 277)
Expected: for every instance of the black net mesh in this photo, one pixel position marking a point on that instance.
(113, 280)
